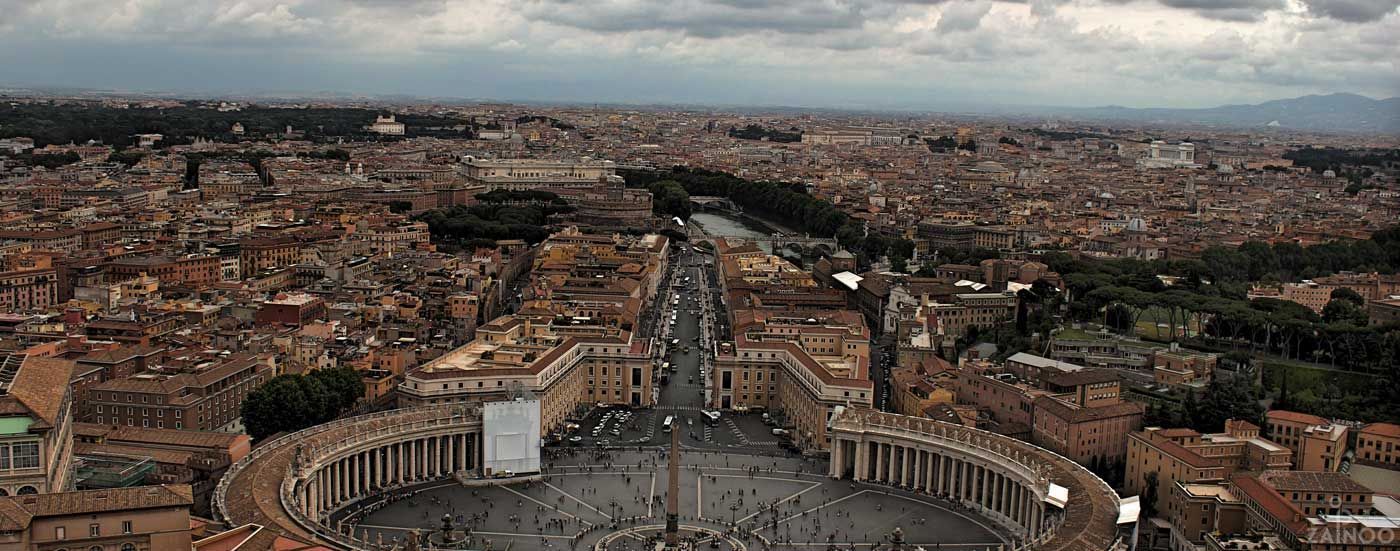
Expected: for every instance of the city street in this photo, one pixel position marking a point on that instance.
(683, 397)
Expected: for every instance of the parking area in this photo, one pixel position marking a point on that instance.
(614, 426)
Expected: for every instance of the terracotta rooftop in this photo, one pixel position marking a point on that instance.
(38, 389)
(1288, 481)
(1296, 417)
(17, 511)
(1381, 429)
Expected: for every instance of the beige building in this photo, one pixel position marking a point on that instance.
(524, 174)
(1317, 444)
(1197, 509)
(1378, 444)
(1184, 455)
(36, 433)
(804, 367)
(145, 518)
(567, 362)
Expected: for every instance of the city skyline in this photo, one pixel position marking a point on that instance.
(861, 55)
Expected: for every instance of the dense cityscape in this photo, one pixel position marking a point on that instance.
(234, 322)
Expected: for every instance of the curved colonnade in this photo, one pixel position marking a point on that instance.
(291, 484)
(1003, 479)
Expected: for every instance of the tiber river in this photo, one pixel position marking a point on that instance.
(734, 226)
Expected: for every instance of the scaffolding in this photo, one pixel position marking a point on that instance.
(99, 471)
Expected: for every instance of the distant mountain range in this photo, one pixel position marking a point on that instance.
(1349, 113)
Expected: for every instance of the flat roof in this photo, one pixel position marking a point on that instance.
(848, 279)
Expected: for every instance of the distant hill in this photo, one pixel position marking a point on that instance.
(1329, 113)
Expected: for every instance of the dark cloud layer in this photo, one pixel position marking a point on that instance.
(801, 52)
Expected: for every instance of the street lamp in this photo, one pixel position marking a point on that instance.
(733, 511)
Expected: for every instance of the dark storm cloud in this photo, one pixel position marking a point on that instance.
(1227, 10)
(698, 18)
(1155, 52)
(1353, 11)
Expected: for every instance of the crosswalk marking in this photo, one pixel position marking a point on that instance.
(735, 429)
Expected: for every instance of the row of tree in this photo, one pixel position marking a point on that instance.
(1288, 261)
(483, 224)
(760, 132)
(669, 198)
(291, 402)
(72, 123)
(1319, 159)
(1216, 315)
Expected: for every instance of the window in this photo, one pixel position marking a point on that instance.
(24, 455)
(128, 547)
(60, 532)
(126, 527)
(94, 530)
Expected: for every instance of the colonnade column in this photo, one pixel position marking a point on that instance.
(834, 470)
(862, 449)
(461, 453)
(905, 460)
(879, 461)
(890, 462)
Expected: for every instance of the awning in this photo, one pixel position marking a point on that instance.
(1057, 496)
(1129, 509)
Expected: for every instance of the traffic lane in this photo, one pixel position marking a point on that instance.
(687, 364)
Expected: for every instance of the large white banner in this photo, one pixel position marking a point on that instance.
(512, 436)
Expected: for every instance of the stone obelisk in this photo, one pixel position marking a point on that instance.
(673, 492)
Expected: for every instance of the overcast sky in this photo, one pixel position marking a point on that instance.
(837, 53)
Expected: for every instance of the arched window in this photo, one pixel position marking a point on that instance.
(4, 492)
(128, 547)
(95, 548)
(27, 490)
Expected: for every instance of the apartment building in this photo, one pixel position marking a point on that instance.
(1183, 455)
(1312, 511)
(206, 394)
(256, 255)
(191, 270)
(1196, 510)
(1084, 417)
(28, 289)
(1378, 445)
(1317, 444)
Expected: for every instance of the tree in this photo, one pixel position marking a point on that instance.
(1345, 306)
(669, 198)
(1149, 494)
(128, 158)
(899, 264)
(292, 402)
(281, 404)
(54, 161)
(1226, 397)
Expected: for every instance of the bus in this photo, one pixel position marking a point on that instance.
(668, 423)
